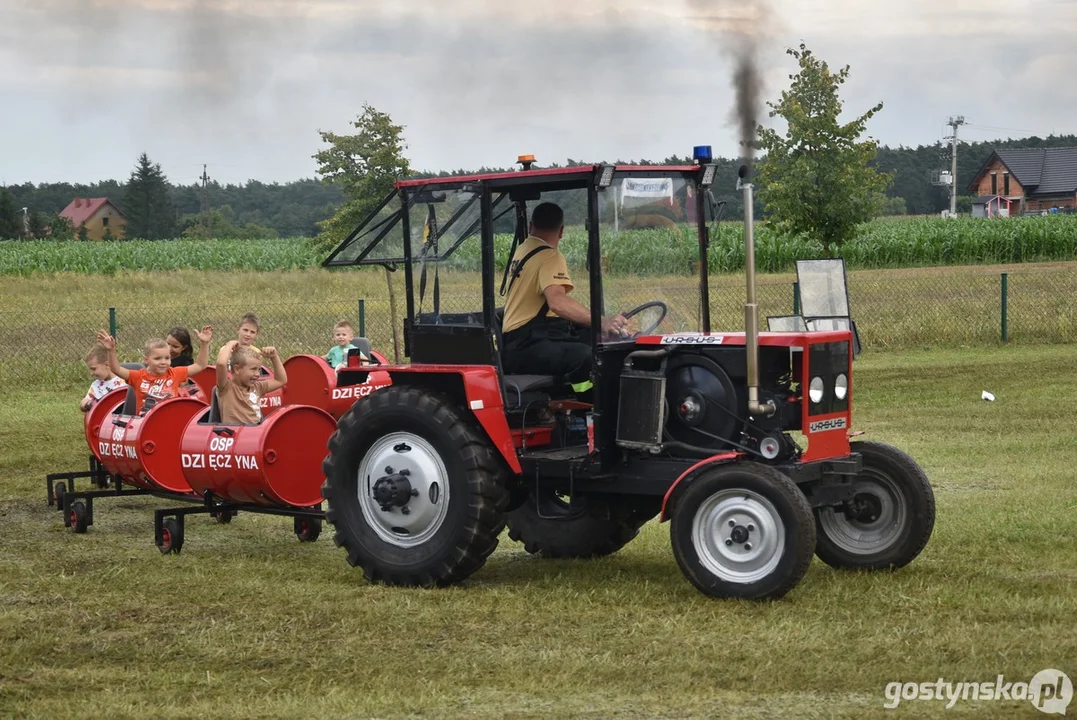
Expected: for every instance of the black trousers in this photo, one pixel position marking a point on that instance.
(548, 346)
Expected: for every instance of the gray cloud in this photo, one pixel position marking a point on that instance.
(245, 86)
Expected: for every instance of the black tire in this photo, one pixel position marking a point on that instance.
(78, 517)
(58, 492)
(891, 521)
(171, 536)
(468, 517)
(595, 527)
(223, 517)
(307, 529)
(759, 504)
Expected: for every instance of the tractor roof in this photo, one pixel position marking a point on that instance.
(565, 173)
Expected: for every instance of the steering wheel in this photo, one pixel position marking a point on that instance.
(646, 306)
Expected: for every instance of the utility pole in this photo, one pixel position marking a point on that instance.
(954, 123)
(203, 202)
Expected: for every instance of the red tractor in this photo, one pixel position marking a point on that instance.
(741, 439)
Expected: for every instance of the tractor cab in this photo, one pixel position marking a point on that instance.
(453, 239)
(740, 438)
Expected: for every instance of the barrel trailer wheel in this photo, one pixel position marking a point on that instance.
(307, 529)
(171, 536)
(414, 489)
(742, 530)
(78, 517)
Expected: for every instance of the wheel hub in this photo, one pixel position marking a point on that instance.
(865, 508)
(873, 520)
(394, 491)
(403, 489)
(738, 535)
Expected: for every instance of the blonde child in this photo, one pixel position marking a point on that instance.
(159, 380)
(343, 334)
(239, 396)
(104, 380)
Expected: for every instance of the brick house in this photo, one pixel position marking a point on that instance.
(1031, 179)
(98, 215)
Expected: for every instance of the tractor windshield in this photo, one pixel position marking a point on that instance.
(650, 251)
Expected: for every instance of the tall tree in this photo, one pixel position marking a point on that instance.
(10, 218)
(817, 178)
(147, 203)
(364, 166)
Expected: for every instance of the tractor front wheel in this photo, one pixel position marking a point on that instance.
(742, 531)
(414, 489)
(889, 519)
(585, 527)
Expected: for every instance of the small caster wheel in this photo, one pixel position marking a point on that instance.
(171, 536)
(77, 517)
(307, 529)
(58, 492)
(223, 517)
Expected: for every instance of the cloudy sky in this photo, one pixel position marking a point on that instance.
(244, 85)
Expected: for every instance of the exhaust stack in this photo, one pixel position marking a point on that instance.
(751, 309)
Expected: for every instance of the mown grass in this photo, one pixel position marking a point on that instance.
(247, 622)
(878, 244)
(48, 321)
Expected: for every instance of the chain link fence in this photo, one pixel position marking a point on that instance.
(921, 307)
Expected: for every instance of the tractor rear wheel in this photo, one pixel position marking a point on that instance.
(888, 521)
(414, 490)
(587, 527)
(742, 530)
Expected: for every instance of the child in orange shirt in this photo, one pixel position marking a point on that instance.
(159, 381)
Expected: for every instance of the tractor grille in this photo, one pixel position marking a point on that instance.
(828, 360)
(641, 411)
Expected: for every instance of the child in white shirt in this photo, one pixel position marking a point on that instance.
(104, 380)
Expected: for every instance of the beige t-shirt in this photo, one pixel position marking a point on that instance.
(239, 406)
(525, 297)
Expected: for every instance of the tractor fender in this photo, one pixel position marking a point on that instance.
(719, 459)
(476, 387)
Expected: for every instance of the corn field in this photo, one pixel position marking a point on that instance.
(881, 244)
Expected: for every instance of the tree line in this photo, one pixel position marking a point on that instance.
(818, 172)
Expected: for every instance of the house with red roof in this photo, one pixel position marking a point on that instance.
(97, 215)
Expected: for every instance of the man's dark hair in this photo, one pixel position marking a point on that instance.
(547, 217)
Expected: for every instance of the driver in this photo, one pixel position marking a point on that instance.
(543, 329)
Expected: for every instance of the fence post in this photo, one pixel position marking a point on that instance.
(796, 297)
(112, 321)
(1005, 308)
(362, 317)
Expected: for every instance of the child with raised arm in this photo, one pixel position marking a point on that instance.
(179, 345)
(159, 380)
(239, 396)
(104, 380)
(343, 333)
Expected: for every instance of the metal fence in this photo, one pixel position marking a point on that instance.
(924, 307)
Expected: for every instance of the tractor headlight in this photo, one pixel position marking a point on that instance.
(815, 390)
(841, 386)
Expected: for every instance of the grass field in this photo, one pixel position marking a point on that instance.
(48, 321)
(247, 622)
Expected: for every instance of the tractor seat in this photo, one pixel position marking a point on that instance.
(214, 409)
(517, 385)
(128, 407)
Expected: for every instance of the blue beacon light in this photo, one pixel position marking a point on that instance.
(702, 154)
